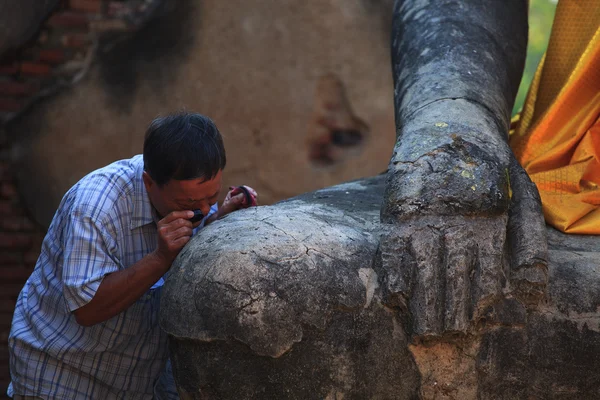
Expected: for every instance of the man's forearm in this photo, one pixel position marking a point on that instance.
(121, 289)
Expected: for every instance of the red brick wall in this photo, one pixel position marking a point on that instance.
(20, 241)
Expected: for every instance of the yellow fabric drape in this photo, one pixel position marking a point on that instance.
(557, 137)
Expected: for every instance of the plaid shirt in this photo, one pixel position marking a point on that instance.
(105, 223)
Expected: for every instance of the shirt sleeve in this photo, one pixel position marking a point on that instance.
(87, 258)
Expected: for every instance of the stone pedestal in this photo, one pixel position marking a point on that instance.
(284, 302)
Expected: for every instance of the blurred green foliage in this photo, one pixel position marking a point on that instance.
(541, 15)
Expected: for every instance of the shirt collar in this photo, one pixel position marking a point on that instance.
(143, 211)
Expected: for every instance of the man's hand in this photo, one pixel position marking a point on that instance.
(174, 231)
(235, 202)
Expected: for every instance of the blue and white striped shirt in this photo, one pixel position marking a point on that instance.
(105, 223)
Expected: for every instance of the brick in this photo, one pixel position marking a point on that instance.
(9, 301)
(90, 6)
(36, 243)
(4, 332)
(3, 388)
(35, 69)
(7, 306)
(5, 170)
(11, 257)
(10, 291)
(15, 223)
(13, 88)
(10, 105)
(6, 316)
(10, 223)
(118, 6)
(4, 153)
(8, 190)
(52, 56)
(14, 274)
(5, 208)
(9, 207)
(69, 19)
(43, 36)
(14, 240)
(31, 256)
(75, 40)
(37, 237)
(4, 368)
(9, 69)
(110, 25)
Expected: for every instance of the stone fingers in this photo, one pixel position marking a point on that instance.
(526, 226)
(445, 272)
(489, 272)
(527, 238)
(427, 300)
(394, 265)
(460, 262)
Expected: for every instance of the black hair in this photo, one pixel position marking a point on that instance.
(183, 146)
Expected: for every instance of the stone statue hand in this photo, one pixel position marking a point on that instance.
(462, 230)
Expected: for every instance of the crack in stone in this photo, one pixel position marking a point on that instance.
(407, 117)
(241, 308)
(487, 109)
(231, 287)
(277, 228)
(279, 263)
(286, 259)
(320, 252)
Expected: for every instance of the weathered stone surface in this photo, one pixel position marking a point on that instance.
(549, 353)
(289, 301)
(283, 302)
(555, 354)
(448, 369)
(356, 356)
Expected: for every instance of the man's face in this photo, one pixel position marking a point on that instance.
(183, 195)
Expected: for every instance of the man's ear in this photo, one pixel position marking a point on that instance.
(148, 182)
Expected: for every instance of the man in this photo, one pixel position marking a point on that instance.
(86, 323)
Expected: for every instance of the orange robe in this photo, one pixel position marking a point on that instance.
(557, 137)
